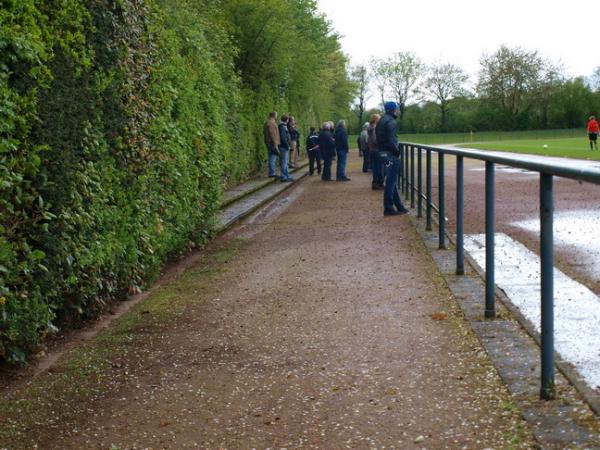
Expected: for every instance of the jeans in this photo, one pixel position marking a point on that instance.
(391, 197)
(340, 170)
(272, 160)
(327, 158)
(314, 156)
(284, 154)
(377, 166)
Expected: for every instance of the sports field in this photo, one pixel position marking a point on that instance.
(566, 147)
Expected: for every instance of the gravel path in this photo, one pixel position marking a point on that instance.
(328, 328)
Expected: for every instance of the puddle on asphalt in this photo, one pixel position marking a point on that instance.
(577, 309)
(507, 169)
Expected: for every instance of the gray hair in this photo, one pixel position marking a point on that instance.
(341, 123)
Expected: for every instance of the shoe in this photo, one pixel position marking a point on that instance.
(402, 211)
(326, 179)
(390, 212)
(287, 180)
(310, 174)
(346, 179)
(377, 187)
(272, 176)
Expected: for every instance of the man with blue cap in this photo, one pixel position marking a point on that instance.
(387, 143)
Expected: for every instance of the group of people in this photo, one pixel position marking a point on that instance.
(282, 141)
(378, 145)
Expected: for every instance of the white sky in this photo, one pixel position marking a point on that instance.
(460, 31)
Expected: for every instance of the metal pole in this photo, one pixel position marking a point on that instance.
(460, 216)
(428, 188)
(401, 171)
(547, 268)
(412, 176)
(419, 183)
(406, 180)
(441, 200)
(490, 283)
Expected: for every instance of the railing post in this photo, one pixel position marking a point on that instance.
(419, 183)
(412, 176)
(460, 216)
(441, 195)
(406, 180)
(547, 270)
(490, 283)
(428, 188)
(401, 171)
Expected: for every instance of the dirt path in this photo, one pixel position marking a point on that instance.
(319, 325)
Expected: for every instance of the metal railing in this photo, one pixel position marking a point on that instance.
(548, 168)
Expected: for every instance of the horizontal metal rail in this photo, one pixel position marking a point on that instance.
(547, 168)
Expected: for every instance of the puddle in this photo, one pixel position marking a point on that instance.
(507, 169)
(577, 309)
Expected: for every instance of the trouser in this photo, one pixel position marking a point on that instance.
(294, 153)
(272, 155)
(391, 197)
(314, 156)
(326, 175)
(377, 166)
(284, 154)
(340, 169)
(366, 161)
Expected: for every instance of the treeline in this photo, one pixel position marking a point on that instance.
(120, 124)
(516, 89)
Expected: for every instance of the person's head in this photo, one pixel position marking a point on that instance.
(284, 119)
(341, 123)
(325, 126)
(292, 121)
(592, 117)
(330, 124)
(391, 107)
(374, 119)
(312, 130)
(365, 125)
(273, 114)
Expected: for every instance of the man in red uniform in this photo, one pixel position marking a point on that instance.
(592, 129)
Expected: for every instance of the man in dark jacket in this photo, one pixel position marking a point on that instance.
(387, 143)
(327, 149)
(312, 148)
(284, 149)
(341, 150)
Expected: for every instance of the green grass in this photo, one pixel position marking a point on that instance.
(570, 147)
(488, 136)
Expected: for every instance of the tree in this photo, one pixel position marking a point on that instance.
(509, 79)
(380, 75)
(445, 82)
(360, 76)
(404, 69)
(595, 80)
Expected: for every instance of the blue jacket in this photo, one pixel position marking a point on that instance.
(386, 134)
(284, 136)
(341, 139)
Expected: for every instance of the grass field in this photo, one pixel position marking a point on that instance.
(569, 147)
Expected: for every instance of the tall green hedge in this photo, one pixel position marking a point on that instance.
(120, 123)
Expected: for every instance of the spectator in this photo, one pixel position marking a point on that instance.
(363, 147)
(312, 148)
(327, 150)
(387, 144)
(341, 150)
(294, 137)
(271, 135)
(284, 149)
(592, 129)
(376, 163)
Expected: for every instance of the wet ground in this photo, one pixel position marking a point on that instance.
(318, 324)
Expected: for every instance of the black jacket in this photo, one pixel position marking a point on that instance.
(312, 142)
(284, 136)
(326, 144)
(386, 134)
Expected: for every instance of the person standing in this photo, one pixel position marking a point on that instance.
(294, 136)
(341, 150)
(592, 129)
(312, 148)
(271, 135)
(327, 150)
(284, 149)
(363, 146)
(376, 163)
(387, 143)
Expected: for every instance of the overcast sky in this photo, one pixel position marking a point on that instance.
(460, 31)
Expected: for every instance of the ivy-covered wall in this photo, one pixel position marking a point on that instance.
(121, 121)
